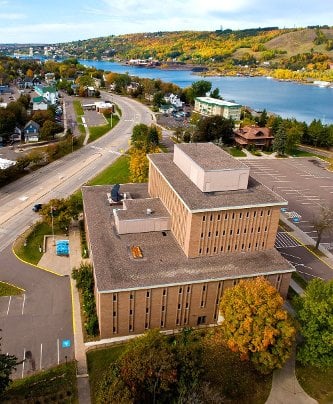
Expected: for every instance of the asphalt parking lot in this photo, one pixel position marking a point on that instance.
(304, 183)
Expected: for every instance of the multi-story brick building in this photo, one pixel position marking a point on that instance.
(163, 256)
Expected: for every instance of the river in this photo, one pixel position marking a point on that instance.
(285, 98)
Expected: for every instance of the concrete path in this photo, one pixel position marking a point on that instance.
(285, 387)
(63, 266)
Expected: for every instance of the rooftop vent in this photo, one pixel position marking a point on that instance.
(115, 195)
(149, 211)
(136, 252)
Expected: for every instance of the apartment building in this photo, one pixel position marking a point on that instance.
(164, 252)
(211, 106)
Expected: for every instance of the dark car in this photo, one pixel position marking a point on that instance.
(37, 207)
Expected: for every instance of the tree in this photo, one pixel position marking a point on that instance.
(7, 122)
(280, 140)
(8, 363)
(139, 165)
(145, 373)
(50, 129)
(42, 116)
(214, 128)
(139, 135)
(255, 324)
(315, 315)
(323, 223)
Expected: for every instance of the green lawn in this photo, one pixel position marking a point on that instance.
(117, 173)
(316, 382)
(78, 108)
(9, 290)
(235, 152)
(98, 131)
(34, 238)
(301, 153)
(98, 361)
(56, 385)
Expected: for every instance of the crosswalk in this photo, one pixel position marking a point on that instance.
(283, 240)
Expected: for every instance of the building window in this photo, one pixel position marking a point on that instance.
(233, 215)
(228, 247)
(130, 328)
(179, 306)
(114, 329)
(236, 247)
(163, 308)
(259, 229)
(114, 298)
(235, 282)
(256, 245)
(268, 212)
(247, 214)
(221, 247)
(186, 305)
(180, 290)
(162, 323)
(218, 217)
(200, 250)
(211, 217)
(237, 231)
(201, 320)
(203, 218)
(226, 216)
(209, 234)
(204, 287)
(148, 294)
(188, 289)
(164, 292)
(146, 325)
(263, 244)
(254, 214)
(242, 246)
(223, 233)
(147, 309)
(249, 245)
(261, 213)
(231, 232)
(216, 233)
(131, 296)
(240, 215)
(245, 230)
(252, 230)
(114, 314)
(201, 235)
(265, 228)
(214, 249)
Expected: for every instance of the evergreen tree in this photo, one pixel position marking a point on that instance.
(280, 140)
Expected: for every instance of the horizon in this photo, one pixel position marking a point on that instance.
(62, 21)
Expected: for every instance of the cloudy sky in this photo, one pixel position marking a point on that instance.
(40, 21)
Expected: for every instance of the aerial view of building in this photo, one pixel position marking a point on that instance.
(164, 252)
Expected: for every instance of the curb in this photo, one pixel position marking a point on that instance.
(34, 265)
(14, 286)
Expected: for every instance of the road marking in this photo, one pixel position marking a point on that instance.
(58, 351)
(23, 363)
(10, 299)
(40, 358)
(23, 303)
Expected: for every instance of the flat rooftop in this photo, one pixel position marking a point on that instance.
(211, 157)
(256, 195)
(163, 261)
(215, 101)
(137, 209)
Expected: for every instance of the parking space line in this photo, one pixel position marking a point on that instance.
(23, 363)
(58, 351)
(41, 355)
(23, 303)
(9, 301)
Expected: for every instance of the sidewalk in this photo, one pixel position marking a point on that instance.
(63, 266)
(285, 387)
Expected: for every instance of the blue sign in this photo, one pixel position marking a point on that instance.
(295, 219)
(66, 343)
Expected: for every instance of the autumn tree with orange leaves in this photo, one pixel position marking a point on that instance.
(255, 324)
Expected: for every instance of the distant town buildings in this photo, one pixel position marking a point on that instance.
(163, 253)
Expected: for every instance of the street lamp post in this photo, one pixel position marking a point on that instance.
(52, 225)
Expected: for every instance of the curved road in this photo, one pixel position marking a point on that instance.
(36, 324)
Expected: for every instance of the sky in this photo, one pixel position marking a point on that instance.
(54, 21)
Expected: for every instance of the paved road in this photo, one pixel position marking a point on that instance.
(36, 325)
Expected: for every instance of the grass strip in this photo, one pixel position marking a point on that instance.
(9, 290)
(117, 173)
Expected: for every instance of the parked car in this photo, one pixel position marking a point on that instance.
(37, 207)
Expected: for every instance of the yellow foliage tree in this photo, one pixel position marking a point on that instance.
(255, 324)
(139, 164)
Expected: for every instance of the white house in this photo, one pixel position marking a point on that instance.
(174, 100)
(48, 92)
